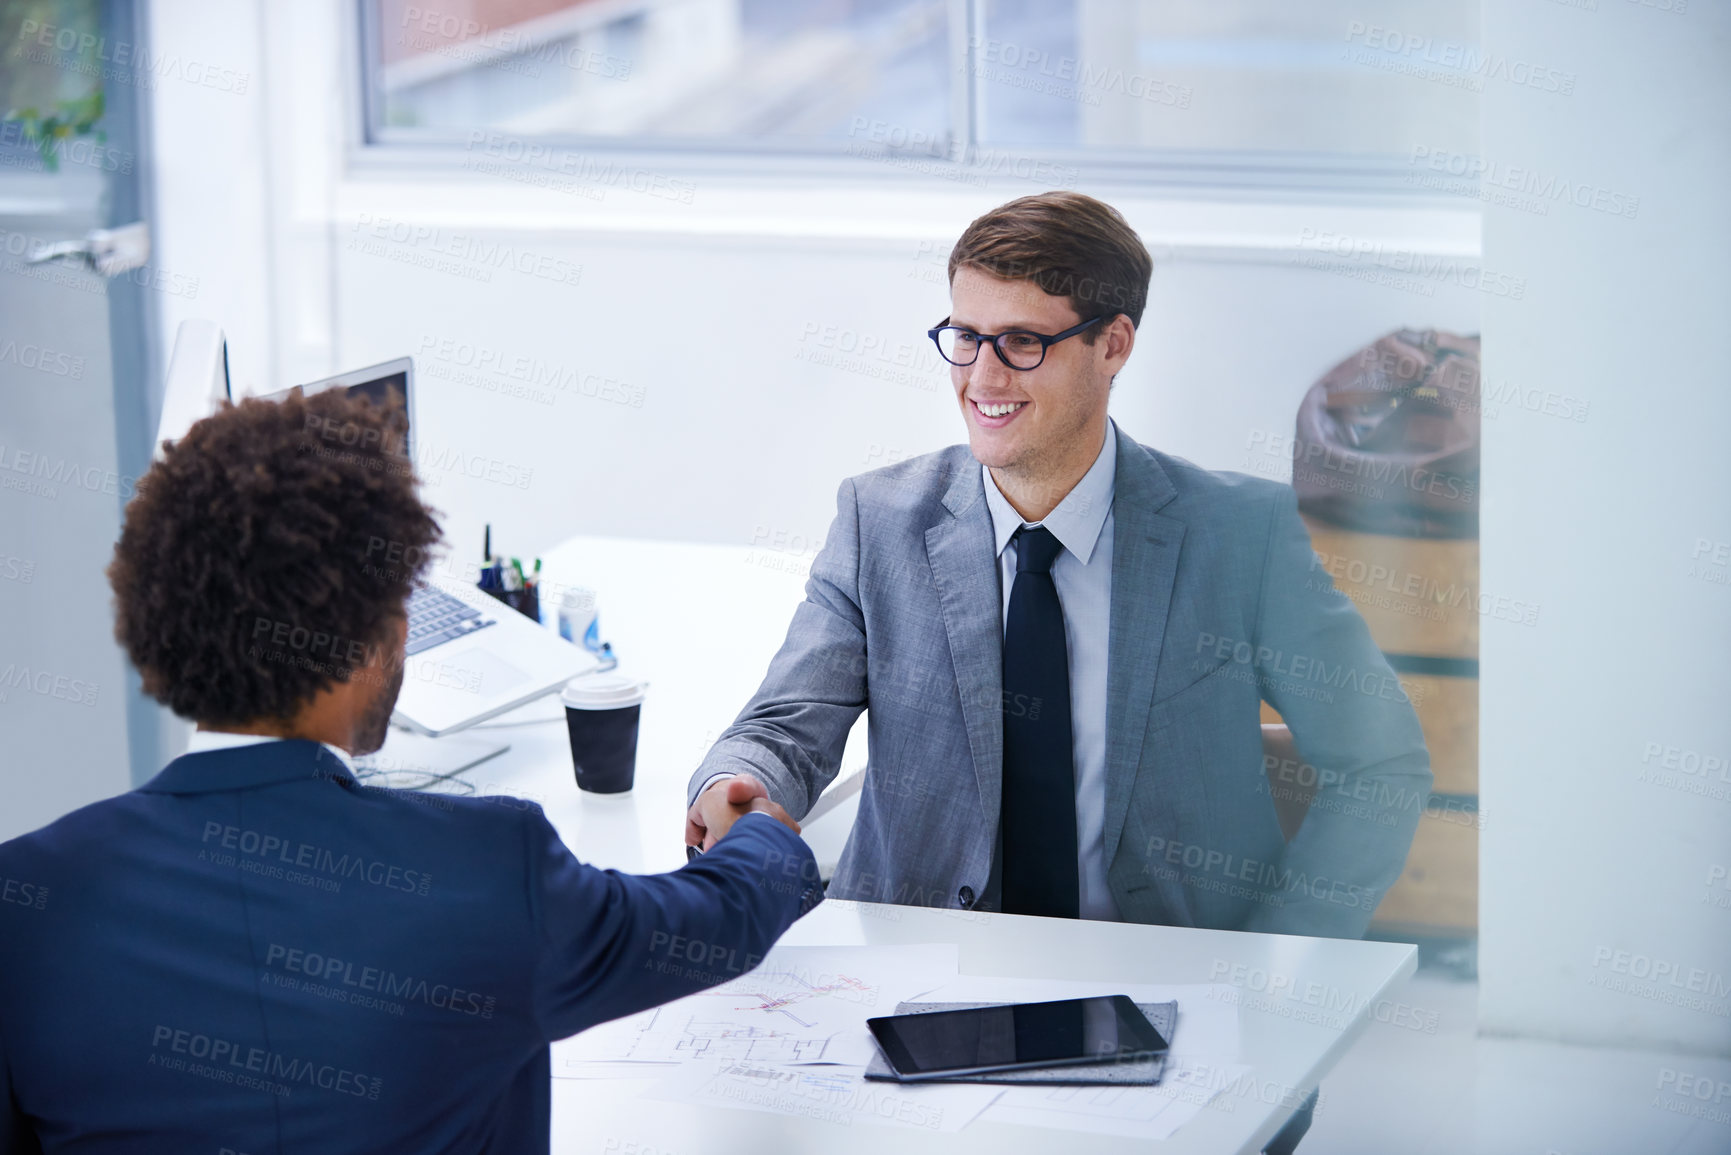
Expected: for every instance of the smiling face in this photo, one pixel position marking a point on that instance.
(1036, 424)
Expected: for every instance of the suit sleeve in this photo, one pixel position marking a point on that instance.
(792, 733)
(1361, 733)
(612, 944)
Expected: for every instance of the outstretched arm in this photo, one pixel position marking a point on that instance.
(613, 944)
(791, 735)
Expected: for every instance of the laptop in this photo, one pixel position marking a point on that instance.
(469, 657)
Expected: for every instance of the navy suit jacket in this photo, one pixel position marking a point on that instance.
(253, 952)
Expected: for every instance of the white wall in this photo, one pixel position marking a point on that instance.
(211, 167)
(1597, 861)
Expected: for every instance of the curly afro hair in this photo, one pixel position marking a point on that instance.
(268, 555)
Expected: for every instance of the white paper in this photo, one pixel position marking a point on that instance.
(1139, 1112)
(761, 1043)
(832, 1094)
(802, 1005)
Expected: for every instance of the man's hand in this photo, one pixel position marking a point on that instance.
(723, 804)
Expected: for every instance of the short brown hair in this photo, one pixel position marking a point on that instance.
(1067, 243)
(271, 513)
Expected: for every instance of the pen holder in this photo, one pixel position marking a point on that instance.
(526, 601)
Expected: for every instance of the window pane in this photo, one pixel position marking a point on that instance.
(1325, 76)
(735, 71)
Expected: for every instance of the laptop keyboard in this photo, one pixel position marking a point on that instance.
(435, 616)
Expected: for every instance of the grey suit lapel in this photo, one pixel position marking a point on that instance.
(1145, 549)
(965, 572)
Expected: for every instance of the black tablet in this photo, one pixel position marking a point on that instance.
(1016, 1036)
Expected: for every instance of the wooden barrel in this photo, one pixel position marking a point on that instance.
(1420, 598)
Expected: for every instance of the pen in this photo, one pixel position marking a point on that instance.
(486, 581)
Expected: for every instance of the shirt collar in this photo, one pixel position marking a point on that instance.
(204, 741)
(1079, 518)
(210, 763)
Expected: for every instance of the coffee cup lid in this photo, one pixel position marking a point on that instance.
(608, 691)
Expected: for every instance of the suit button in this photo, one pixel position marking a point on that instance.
(966, 897)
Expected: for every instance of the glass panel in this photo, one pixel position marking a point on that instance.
(736, 71)
(1322, 76)
(72, 347)
(52, 61)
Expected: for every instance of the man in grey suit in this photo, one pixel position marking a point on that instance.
(1063, 638)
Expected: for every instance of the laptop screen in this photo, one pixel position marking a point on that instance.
(385, 384)
(383, 391)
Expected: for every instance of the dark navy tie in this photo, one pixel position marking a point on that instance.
(1039, 791)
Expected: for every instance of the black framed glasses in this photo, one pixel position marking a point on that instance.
(1017, 348)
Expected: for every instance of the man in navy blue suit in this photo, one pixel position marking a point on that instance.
(255, 953)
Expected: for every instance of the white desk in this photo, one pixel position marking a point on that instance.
(701, 622)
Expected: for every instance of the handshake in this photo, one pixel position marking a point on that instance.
(723, 803)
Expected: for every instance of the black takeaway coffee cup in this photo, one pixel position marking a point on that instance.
(601, 712)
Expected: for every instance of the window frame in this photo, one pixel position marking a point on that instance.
(1234, 174)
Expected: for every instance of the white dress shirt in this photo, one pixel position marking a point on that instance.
(204, 741)
(1082, 571)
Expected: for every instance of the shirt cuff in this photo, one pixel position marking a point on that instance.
(712, 780)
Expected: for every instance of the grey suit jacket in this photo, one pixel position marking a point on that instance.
(1217, 603)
